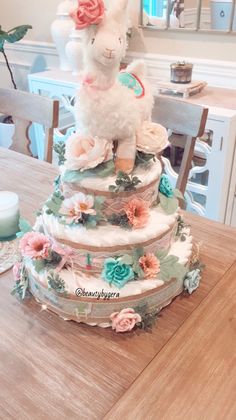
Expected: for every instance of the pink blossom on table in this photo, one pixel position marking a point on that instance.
(75, 206)
(88, 12)
(124, 320)
(16, 271)
(86, 152)
(137, 212)
(150, 265)
(35, 245)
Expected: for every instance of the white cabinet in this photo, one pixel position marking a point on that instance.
(231, 204)
(211, 186)
(220, 163)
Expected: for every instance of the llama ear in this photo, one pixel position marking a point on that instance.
(118, 11)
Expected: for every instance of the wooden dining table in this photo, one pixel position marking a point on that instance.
(184, 368)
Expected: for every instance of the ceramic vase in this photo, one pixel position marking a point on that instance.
(74, 52)
(6, 133)
(61, 29)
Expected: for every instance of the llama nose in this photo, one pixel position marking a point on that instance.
(109, 53)
(110, 50)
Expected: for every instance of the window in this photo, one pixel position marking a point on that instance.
(155, 7)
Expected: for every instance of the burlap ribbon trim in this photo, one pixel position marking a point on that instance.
(126, 299)
(109, 194)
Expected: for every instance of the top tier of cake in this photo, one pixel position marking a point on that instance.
(115, 197)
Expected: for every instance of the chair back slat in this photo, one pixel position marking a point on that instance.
(21, 132)
(186, 119)
(179, 116)
(26, 108)
(29, 106)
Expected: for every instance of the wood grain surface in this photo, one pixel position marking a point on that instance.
(194, 377)
(52, 369)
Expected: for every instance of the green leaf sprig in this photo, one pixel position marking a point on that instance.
(60, 149)
(55, 282)
(148, 317)
(143, 158)
(124, 182)
(120, 220)
(169, 266)
(170, 204)
(54, 203)
(21, 285)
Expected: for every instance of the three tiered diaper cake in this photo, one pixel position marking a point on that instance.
(109, 246)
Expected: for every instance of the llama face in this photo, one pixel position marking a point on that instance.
(106, 44)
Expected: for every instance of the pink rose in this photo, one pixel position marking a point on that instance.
(89, 12)
(124, 320)
(16, 271)
(86, 152)
(35, 245)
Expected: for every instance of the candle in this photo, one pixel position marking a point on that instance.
(181, 72)
(9, 214)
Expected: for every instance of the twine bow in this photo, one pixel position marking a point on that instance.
(66, 254)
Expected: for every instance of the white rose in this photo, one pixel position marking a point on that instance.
(86, 152)
(152, 138)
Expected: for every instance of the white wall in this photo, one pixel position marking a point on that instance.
(41, 13)
(199, 45)
(207, 51)
(38, 13)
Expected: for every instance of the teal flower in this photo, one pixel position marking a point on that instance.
(165, 186)
(117, 273)
(192, 280)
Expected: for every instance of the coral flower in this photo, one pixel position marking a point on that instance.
(150, 265)
(35, 245)
(77, 205)
(137, 212)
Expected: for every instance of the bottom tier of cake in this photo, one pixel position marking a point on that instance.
(88, 299)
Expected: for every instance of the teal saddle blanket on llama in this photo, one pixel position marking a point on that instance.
(131, 81)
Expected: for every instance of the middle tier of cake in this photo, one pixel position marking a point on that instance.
(109, 241)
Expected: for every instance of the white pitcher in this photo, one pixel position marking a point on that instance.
(61, 29)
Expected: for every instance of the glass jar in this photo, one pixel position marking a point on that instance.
(181, 72)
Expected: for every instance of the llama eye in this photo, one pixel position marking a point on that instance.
(92, 40)
(120, 40)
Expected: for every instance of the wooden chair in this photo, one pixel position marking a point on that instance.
(25, 109)
(182, 118)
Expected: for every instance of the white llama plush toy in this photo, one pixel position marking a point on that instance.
(111, 105)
